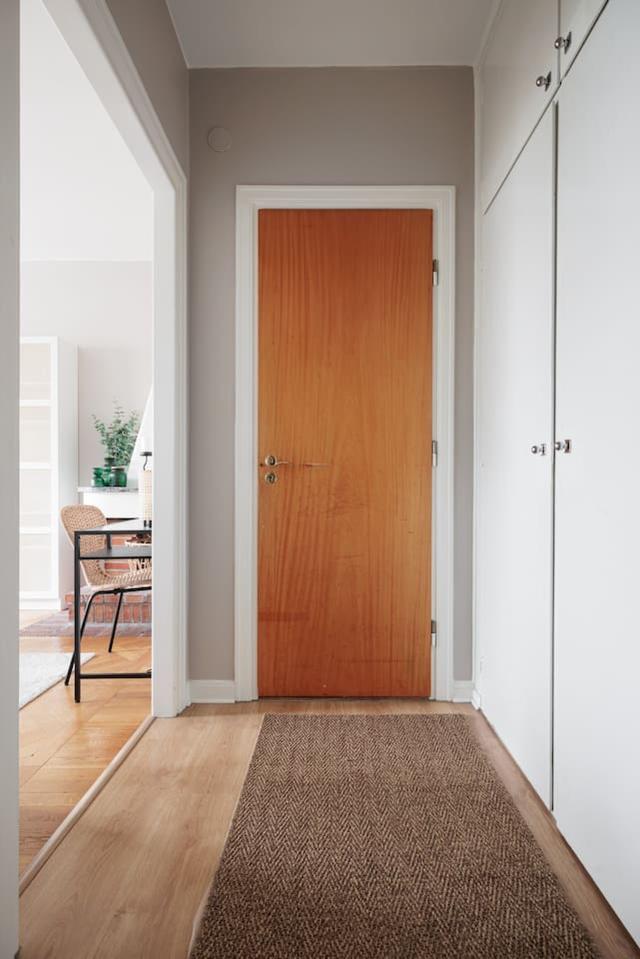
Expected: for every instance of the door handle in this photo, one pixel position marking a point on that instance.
(271, 460)
(544, 81)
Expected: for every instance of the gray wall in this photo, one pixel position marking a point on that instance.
(308, 126)
(106, 310)
(147, 30)
(9, 253)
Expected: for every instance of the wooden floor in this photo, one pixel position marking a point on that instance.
(129, 878)
(65, 746)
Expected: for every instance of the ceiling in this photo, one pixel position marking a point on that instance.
(287, 33)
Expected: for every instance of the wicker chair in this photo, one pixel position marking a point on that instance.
(98, 580)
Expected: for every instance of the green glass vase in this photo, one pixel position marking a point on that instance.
(119, 475)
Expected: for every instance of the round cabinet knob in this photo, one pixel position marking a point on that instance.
(539, 449)
(563, 446)
(563, 43)
(544, 81)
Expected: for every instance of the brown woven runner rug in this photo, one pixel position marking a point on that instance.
(381, 837)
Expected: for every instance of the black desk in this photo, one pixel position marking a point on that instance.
(138, 551)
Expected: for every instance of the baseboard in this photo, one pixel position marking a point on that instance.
(224, 691)
(212, 691)
(48, 605)
(476, 699)
(462, 691)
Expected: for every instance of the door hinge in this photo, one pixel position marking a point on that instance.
(434, 452)
(435, 266)
(434, 633)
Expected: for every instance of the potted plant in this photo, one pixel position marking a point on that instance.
(118, 438)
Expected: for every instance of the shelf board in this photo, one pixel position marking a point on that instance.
(118, 552)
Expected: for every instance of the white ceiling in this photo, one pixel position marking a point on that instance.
(287, 33)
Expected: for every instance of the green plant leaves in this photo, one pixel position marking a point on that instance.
(119, 436)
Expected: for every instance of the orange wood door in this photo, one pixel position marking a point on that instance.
(345, 398)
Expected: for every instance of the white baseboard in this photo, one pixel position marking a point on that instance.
(212, 691)
(224, 691)
(462, 691)
(52, 604)
(476, 699)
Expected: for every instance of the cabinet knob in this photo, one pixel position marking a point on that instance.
(563, 43)
(563, 446)
(539, 449)
(544, 81)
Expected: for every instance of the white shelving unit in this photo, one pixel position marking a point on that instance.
(48, 468)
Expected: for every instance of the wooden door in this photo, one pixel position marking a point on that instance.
(345, 398)
(597, 573)
(515, 484)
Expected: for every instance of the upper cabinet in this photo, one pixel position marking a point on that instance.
(518, 76)
(576, 19)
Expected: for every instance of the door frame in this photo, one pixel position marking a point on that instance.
(249, 201)
(94, 39)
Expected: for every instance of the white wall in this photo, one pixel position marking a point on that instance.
(83, 197)
(87, 232)
(106, 309)
(9, 240)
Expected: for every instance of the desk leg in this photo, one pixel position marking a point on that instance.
(76, 617)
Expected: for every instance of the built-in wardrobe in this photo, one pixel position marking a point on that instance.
(557, 574)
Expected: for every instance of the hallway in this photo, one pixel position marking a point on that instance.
(164, 819)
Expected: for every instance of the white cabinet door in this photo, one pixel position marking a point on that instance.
(515, 412)
(576, 19)
(597, 581)
(48, 468)
(520, 50)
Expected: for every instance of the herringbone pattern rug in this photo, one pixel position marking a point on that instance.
(381, 837)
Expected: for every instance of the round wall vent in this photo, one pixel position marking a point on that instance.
(219, 139)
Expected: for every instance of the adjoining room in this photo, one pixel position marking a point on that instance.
(86, 419)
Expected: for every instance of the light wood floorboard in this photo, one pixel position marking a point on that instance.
(65, 746)
(129, 878)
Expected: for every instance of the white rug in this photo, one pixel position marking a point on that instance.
(40, 671)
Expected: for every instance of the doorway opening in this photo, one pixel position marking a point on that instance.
(250, 202)
(103, 216)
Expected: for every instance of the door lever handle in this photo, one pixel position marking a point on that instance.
(271, 460)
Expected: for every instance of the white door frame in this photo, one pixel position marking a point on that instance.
(249, 200)
(90, 31)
